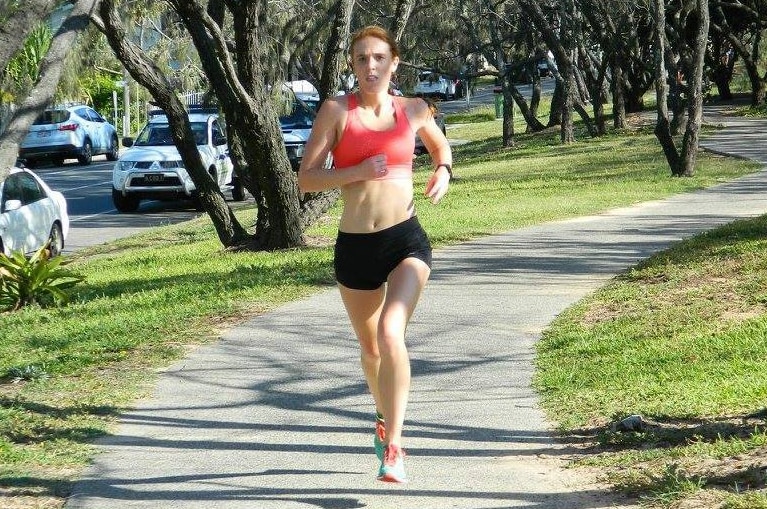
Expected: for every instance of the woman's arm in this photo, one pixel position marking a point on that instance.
(439, 150)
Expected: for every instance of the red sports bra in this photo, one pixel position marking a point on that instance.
(358, 143)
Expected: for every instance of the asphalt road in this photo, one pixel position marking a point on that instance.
(93, 217)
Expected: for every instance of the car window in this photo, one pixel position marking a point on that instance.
(23, 187)
(30, 189)
(83, 113)
(155, 134)
(215, 132)
(301, 115)
(94, 115)
(52, 117)
(200, 132)
(11, 190)
(429, 76)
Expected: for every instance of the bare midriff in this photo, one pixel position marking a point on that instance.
(374, 205)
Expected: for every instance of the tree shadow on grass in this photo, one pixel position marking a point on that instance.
(669, 432)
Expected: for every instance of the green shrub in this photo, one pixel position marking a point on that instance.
(39, 280)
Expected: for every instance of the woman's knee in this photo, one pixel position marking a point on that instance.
(390, 339)
(370, 357)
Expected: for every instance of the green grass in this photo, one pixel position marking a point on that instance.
(681, 339)
(148, 299)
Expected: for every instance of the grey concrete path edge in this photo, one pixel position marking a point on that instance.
(276, 414)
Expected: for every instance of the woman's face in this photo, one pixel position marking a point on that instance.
(373, 64)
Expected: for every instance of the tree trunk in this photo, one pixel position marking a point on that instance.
(41, 94)
(508, 112)
(336, 49)
(619, 99)
(528, 113)
(566, 134)
(662, 125)
(557, 103)
(401, 16)
(146, 72)
(691, 139)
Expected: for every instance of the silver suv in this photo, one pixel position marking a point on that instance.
(152, 169)
(69, 132)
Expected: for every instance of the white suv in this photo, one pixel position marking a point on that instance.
(69, 132)
(433, 85)
(152, 169)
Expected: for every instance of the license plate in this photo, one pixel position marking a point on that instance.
(43, 134)
(154, 177)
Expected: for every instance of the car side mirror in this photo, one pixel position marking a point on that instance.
(127, 141)
(12, 205)
(219, 140)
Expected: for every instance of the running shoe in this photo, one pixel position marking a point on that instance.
(393, 465)
(378, 439)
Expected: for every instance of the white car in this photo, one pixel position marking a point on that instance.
(69, 132)
(434, 85)
(31, 214)
(296, 127)
(152, 169)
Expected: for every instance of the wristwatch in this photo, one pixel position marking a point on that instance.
(448, 167)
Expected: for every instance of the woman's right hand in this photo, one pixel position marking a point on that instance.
(374, 167)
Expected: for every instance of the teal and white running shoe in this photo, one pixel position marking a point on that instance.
(393, 465)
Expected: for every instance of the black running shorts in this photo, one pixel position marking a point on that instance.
(363, 261)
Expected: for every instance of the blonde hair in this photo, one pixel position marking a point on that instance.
(377, 32)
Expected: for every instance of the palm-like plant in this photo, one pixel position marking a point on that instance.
(23, 70)
(39, 279)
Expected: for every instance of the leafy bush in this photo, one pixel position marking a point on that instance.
(39, 279)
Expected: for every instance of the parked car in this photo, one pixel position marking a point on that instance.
(544, 69)
(69, 132)
(31, 214)
(297, 125)
(434, 85)
(152, 168)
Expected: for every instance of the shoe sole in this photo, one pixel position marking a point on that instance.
(392, 478)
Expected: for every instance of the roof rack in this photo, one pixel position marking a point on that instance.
(201, 109)
(190, 109)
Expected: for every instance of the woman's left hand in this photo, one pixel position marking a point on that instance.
(437, 186)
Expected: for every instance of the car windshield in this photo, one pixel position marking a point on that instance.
(158, 134)
(429, 76)
(52, 117)
(300, 117)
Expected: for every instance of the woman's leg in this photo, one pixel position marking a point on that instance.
(364, 310)
(403, 290)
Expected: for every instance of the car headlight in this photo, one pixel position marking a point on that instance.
(295, 151)
(125, 165)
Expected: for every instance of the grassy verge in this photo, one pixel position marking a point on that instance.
(148, 299)
(682, 341)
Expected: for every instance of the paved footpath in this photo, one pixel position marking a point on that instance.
(276, 414)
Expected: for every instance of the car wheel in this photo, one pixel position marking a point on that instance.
(87, 154)
(114, 150)
(125, 203)
(55, 241)
(238, 190)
